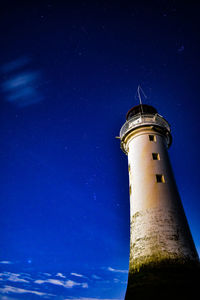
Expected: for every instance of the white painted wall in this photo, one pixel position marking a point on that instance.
(159, 229)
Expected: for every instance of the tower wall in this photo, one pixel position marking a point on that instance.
(159, 229)
(163, 260)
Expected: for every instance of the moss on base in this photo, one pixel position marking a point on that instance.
(157, 259)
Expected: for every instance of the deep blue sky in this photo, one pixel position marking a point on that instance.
(68, 75)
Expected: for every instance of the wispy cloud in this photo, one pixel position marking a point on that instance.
(82, 298)
(65, 284)
(47, 274)
(15, 64)
(117, 270)
(78, 275)
(60, 275)
(12, 277)
(20, 81)
(20, 86)
(6, 262)
(71, 284)
(11, 289)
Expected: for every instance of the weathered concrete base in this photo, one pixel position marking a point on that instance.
(167, 280)
(160, 234)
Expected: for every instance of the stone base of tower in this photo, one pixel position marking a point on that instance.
(168, 280)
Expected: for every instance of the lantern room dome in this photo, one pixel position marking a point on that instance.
(140, 109)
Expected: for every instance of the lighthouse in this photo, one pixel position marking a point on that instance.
(163, 259)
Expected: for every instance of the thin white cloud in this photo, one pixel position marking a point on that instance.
(65, 284)
(82, 298)
(6, 262)
(11, 289)
(39, 281)
(55, 281)
(12, 277)
(60, 275)
(117, 270)
(16, 278)
(71, 284)
(78, 275)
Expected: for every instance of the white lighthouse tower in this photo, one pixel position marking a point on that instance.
(160, 237)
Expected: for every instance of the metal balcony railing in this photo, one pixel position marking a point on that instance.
(143, 120)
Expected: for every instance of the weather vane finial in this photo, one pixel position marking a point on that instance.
(139, 90)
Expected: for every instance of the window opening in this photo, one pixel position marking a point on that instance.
(156, 156)
(152, 138)
(160, 178)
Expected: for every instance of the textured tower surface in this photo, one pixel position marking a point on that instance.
(161, 244)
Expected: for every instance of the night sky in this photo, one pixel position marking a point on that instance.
(69, 72)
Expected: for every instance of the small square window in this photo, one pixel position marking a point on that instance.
(152, 138)
(160, 178)
(156, 156)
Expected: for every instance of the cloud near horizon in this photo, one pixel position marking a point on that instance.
(12, 277)
(83, 298)
(78, 275)
(66, 284)
(7, 289)
(43, 284)
(60, 275)
(117, 270)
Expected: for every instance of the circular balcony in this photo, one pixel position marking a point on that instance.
(141, 120)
